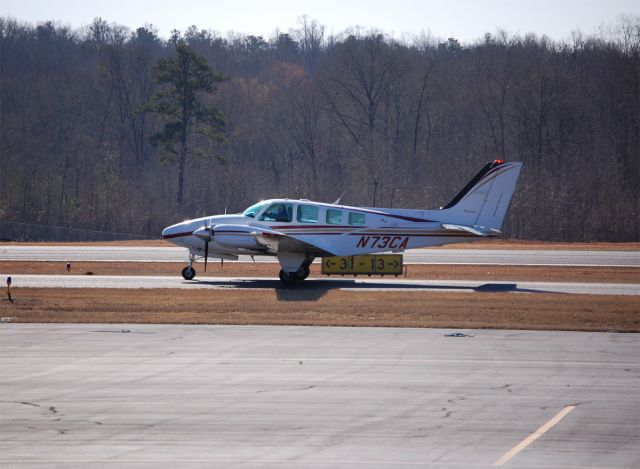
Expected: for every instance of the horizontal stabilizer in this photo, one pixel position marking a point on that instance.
(474, 230)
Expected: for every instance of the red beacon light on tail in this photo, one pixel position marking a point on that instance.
(498, 161)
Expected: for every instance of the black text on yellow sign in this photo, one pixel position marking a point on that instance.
(381, 264)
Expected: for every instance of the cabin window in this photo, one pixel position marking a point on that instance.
(356, 218)
(334, 217)
(278, 212)
(307, 214)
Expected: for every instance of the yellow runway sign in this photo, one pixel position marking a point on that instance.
(380, 264)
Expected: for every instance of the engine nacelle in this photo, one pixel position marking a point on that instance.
(236, 236)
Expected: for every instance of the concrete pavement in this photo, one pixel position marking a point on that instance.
(228, 396)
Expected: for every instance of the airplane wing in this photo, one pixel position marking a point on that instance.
(268, 240)
(276, 242)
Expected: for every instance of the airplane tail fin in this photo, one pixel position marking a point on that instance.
(485, 199)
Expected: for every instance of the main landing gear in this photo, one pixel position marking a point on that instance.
(290, 278)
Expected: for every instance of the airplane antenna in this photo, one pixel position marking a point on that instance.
(339, 198)
(253, 259)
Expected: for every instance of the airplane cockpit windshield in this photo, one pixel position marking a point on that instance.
(252, 211)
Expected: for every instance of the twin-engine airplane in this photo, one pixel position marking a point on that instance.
(297, 231)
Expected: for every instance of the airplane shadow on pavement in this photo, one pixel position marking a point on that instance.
(314, 289)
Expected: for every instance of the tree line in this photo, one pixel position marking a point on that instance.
(308, 114)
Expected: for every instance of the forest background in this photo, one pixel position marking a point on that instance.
(390, 123)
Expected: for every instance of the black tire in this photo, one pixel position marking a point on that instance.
(303, 272)
(288, 278)
(188, 273)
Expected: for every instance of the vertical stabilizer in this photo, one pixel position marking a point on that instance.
(485, 199)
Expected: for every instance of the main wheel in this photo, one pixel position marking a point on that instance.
(288, 278)
(188, 273)
(303, 272)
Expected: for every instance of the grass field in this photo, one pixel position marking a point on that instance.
(332, 308)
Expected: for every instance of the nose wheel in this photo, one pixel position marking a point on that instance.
(188, 273)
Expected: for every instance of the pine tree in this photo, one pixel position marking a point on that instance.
(186, 78)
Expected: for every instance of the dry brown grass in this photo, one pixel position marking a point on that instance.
(327, 308)
(414, 271)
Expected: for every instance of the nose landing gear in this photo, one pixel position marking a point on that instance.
(188, 273)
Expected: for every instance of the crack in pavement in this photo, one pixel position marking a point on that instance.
(20, 402)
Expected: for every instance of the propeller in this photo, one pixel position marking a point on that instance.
(206, 254)
(205, 233)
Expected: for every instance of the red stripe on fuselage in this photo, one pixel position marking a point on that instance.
(290, 227)
(177, 235)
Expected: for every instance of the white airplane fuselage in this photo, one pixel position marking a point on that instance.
(383, 231)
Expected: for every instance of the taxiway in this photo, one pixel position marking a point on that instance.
(83, 396)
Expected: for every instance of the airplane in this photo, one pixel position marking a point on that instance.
(298, 231)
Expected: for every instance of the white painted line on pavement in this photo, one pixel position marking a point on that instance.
(534, 436)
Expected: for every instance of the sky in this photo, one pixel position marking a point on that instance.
(466, 20)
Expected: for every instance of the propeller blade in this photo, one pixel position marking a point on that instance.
(206, 254)
(205, 233)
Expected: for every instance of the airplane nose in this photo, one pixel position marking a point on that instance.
(170, 232)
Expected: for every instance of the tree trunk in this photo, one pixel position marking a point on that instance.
(181, 168)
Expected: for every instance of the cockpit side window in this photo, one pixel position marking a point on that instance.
(278, 212)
